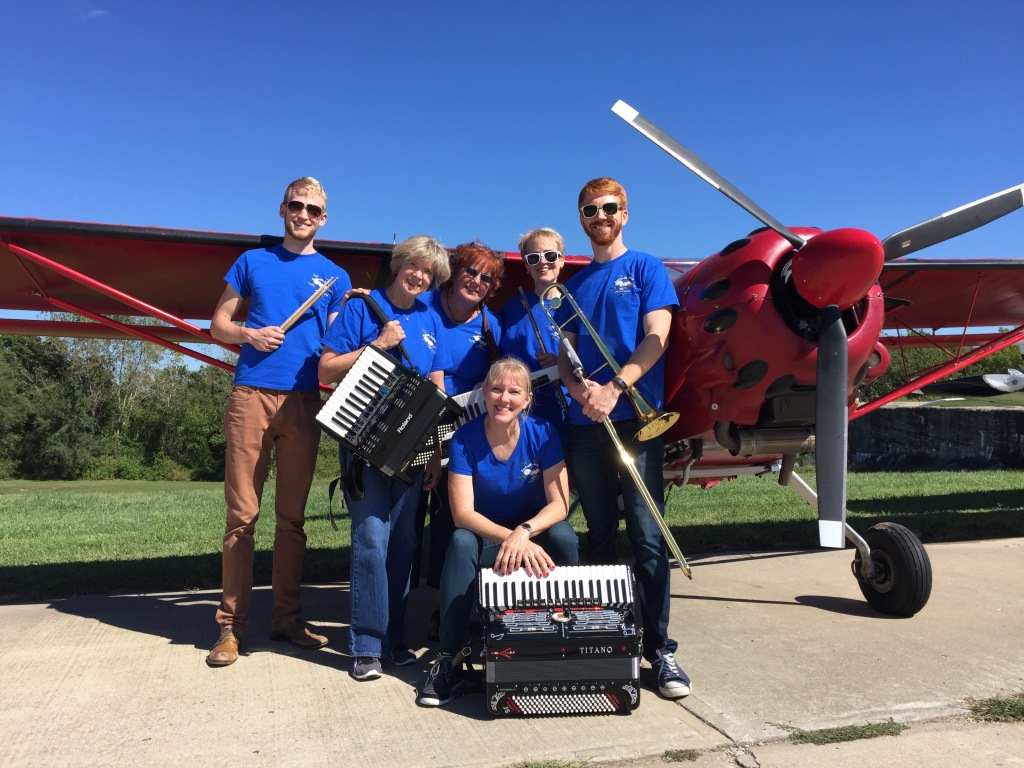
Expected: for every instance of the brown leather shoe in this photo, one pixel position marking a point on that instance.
(225, 651)
(299, 635)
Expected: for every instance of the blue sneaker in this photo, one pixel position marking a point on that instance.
(672, 681)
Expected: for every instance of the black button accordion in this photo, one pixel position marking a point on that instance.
(562, 645)
(385, 413)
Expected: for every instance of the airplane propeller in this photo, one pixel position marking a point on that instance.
(701, 169)
(953, 223)
(831, 271)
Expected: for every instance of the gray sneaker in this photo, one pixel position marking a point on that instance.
(673, 683)
(366, 668)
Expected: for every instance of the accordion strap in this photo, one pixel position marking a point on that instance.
(384, 320)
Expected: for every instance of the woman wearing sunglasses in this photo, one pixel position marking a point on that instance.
(525, 330)
(472, 335)
(472, 331)
(383, 517)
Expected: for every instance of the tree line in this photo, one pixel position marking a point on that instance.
(73, 409)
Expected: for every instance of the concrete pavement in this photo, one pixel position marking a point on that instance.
(773, 641)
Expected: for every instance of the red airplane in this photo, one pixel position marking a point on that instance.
(774, 337)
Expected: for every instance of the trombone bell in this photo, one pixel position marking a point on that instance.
(658, 424)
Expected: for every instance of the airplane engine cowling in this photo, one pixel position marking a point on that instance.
(743, 345)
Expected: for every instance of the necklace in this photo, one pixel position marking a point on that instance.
(446, 297)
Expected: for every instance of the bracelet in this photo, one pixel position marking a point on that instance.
(618, 382)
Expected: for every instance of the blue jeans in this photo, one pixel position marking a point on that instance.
(383, 542)
(600, 476)
(467, 554)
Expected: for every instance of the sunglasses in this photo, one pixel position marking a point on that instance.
(550, 257)
(590, 211)
(296, 206)
(476, 274)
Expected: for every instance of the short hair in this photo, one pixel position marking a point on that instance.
(600, 187)
(479, 255)
(425, 249)
(513, 366)
(306, 182)
(524, 240)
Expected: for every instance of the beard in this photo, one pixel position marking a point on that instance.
(604, 236)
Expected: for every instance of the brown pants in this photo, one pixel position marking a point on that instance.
(256, 421)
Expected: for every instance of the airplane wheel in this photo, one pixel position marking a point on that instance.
(903, 572)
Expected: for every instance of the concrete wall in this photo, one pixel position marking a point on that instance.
(933, 438)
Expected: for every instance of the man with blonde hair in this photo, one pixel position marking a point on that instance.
(273, 405)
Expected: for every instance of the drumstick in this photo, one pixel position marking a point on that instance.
(307, 304)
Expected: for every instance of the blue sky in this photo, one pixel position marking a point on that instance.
(481, 120)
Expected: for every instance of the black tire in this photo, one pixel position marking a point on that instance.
(903, 572)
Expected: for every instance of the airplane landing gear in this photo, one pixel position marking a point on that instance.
(898, 581)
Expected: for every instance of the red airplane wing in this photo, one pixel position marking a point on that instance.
(928, 294)
(45, 265)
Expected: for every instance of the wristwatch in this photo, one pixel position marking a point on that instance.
(618, 382)
(528, 528)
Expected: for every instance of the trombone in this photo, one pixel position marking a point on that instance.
(563, 404)
(654, 422)
(654, 418)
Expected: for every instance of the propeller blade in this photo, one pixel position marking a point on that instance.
(706, 172)
(831, 425)
(953, 223)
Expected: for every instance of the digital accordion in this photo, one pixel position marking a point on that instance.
(384, 413)
(472, 403)
(566, 644)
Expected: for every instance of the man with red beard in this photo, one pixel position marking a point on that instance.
(273, 404)
(628, 298)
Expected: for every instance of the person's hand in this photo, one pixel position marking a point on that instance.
(432, 472)
(266, 339)
(517, 551)
(354, 292)
(599, 401)
(546, 359)
(390, 335)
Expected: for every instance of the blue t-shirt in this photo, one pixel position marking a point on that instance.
(519, 339)
(614, 296)
(357, 326)
(507, 492)
(278, 282)
(467, 348)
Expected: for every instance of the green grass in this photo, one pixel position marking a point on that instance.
(681, 755)
(847, 733)
(58, 539)
(1003, 709)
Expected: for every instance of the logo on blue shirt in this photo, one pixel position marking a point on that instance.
(531, 470)
(623, 285)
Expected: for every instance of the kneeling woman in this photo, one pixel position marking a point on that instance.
(510, 499)
(383, 530)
